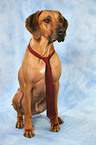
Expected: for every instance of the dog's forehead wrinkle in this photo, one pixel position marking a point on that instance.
(48, 17)
(49, 13)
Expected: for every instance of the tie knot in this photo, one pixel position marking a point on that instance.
(46, 60)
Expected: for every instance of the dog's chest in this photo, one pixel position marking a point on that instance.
(36, 68)
(40, 70)
(35, 74)
(39, 90)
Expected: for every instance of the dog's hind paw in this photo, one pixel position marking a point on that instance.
(19, 124)
(60, 120)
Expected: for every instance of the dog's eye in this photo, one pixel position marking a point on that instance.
(46, 20)
(60, 20)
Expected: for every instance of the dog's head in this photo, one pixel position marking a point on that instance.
(50, 24)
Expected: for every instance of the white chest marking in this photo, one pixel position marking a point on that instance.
(42, 70)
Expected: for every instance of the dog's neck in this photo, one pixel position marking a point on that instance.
(42, 46)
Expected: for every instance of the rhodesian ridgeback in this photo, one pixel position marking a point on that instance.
(46, 27)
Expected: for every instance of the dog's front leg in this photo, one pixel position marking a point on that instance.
(28, 130)
(55, 127)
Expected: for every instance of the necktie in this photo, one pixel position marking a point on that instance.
(50, 96)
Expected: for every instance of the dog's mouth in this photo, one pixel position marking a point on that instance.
(59, 39)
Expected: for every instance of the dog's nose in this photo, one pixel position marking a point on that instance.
(60, 31)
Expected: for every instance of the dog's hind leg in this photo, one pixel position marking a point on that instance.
(17, 104)
(19, 123)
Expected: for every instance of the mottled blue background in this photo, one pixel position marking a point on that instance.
(77, 94)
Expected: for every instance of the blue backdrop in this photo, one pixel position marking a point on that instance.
(77, 94)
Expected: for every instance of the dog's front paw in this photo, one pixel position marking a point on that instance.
(28, 132)
(55, 127)
(20, 124)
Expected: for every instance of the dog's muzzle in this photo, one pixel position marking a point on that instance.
(61, 33)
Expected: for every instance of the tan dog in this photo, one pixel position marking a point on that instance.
(30, 99)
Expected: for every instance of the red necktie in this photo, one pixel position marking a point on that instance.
(50, 96)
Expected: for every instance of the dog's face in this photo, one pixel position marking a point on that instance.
(50, 24)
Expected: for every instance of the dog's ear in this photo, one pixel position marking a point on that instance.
(65, 23)
(32, 25)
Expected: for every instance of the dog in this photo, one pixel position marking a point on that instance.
(46, 27)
